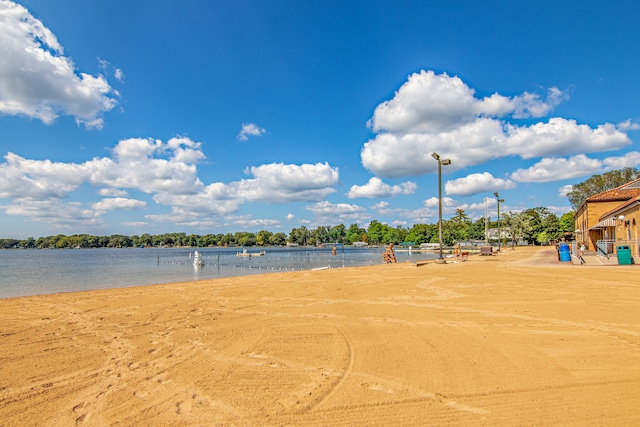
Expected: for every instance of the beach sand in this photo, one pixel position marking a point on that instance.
(513, 339)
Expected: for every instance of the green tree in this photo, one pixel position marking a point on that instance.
(227, 240)
(278, 239)
(337, 233)
(568, 222)
(534, 220)
(355, 233)
(477, 229)
(263, 237)
(394, 235)
(456, 229)
(376, 232)
(28, 243)
(551, 227)
(517, 223)
(299, 235)
(423, 233)
(146, 240)
(599, 183)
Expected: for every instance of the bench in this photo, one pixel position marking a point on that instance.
(486, 250)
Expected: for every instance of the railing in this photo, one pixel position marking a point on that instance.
(605, 247)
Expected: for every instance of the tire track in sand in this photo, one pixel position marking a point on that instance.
(347, 372)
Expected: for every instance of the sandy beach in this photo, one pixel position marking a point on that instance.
(513, 339)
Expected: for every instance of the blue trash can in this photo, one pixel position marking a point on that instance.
(565, 252)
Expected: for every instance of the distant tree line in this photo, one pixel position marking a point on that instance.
(535, 226)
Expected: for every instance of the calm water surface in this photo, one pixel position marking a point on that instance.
(45, 271)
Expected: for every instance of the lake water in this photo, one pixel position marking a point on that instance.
(45, 271)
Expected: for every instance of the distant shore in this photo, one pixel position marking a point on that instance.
(517, 338)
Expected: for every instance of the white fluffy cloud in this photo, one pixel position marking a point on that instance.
(557, 169)
(560, 137)
(165, 170)
(280, 183)
(477, 183)
(377, 188)
(118, 203)
(335, 213)
(441, 113)
(247, 221)
(433, 202)
(112, 192)
(55, 212)
(630, 159)
(250, 129)
(38, 80)
(565, 190)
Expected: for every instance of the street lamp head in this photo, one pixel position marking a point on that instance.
(435, 156)
(496, 194)
(446, 162)
(501, 200)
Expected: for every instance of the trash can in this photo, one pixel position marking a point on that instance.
(565, 252)
(624, 254)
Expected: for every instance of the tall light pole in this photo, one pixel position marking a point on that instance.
(499, 231)
(440, 163)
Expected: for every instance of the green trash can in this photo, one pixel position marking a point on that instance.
(624, 254)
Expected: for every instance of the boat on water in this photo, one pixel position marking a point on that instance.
(197, 260)
(244, 253)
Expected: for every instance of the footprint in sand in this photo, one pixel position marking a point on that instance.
(183, 407)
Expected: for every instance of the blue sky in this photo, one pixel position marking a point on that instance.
(136, 117)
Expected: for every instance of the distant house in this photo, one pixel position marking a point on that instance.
(504, 233)
(608, 219)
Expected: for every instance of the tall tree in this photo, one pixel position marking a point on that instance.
(517, 223)
(423, 233)
(599, 183)
(456, 229)
(376, 231)
(567, 222)
(355, 233)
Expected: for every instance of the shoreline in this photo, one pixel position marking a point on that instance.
(515, 338)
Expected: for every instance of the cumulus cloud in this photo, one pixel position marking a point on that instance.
(530, 105)
(38, 179)
(327, 212)
(279, 183)
(253, 222)
(112, 192)
(433, 202)
(165, 170)
(377, 188)
(557, 169)
(630, 159)
(561, 137)
(38, 81)
(250, 129)
(118, 203)
(441, 113)
(477, 183)
(629, 125)
(56, 213)
(565, 190)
